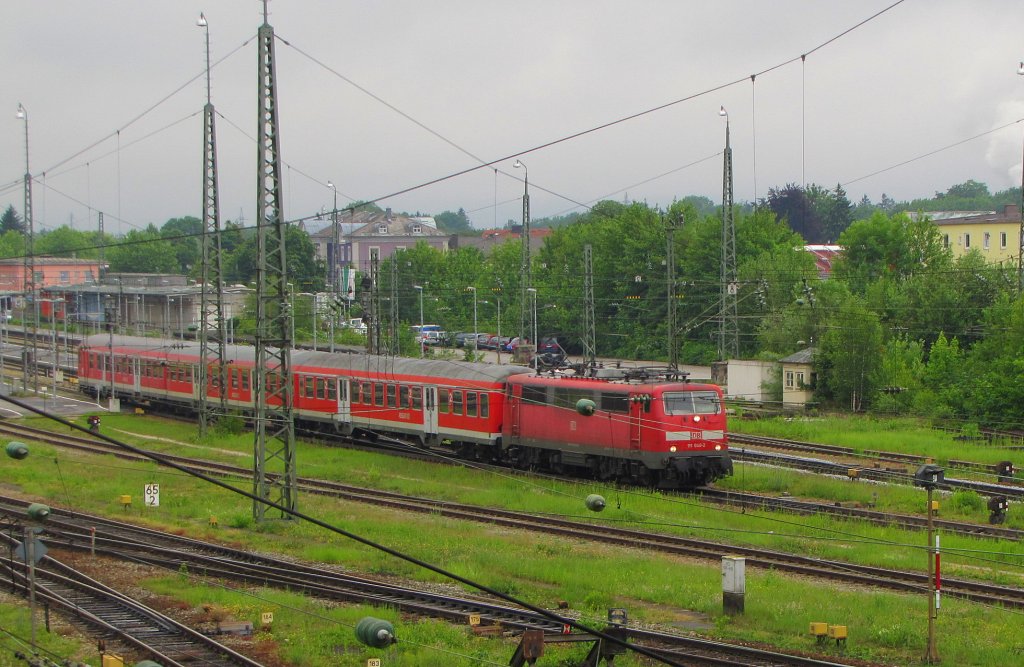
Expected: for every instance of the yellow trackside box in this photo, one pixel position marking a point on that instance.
(111, 660)
(837, 631)
(819, 629)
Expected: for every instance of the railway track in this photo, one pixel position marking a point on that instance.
(1013, 491)
(115, 617)
(605, 534)
(748, 500)
(66, 530)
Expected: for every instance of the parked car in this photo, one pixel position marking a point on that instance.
(558, 343)
(460, 338)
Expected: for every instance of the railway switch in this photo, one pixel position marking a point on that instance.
(929, 476)
(1004, 469)
(997, 506)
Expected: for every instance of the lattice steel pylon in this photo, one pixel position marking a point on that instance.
(274, 444)
(671, 224)
(211, 306)
(728, 332)
(29, 368)
(589, 322)
(525, 314)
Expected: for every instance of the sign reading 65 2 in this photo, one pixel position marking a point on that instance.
(152, 495)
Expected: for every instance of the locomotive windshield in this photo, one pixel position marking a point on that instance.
(692, 403)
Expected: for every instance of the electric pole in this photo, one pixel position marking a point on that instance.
(211, 308)
(671, 224)
(728, 333)
(589, 322)
(274, 444)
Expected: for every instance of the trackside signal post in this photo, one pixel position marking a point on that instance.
(930, 476)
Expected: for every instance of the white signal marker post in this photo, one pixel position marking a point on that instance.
(152, 495)
(734, 584)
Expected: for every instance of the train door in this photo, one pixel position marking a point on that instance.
(343, 411)
(513, 411)
(429, 412)
(636, 418)
(136, 370)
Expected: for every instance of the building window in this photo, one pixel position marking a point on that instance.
(789, 380)
(1002, 240)
(967, 240)
(416, 229)
(800, 380)
(382, 229)
(945, 240)
(986, 240)
(65, 277)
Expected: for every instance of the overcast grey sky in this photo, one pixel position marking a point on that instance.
(496, 79)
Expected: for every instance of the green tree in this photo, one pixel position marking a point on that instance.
(10, 221)
(305, 271)
(187, 235)
(453, 223)
(851, 349)
(67, 242)
(142, 251)
(12, 245)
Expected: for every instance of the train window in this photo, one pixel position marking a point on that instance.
(567, 397)
(353, 391)
(378, 394)
(332, 388)
(537, 395)
(321, 388)
(403, 397)
(392, 389)
(245, 379)
(442, 400)
(234, 378)
(457, 402)
(368, 393)
(484, 405)
(417, 398)
(613, 402)
(692, 402)
(471, 404)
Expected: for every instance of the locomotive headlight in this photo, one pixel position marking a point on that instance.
(672, 448)
(696, 418)
(718, 448)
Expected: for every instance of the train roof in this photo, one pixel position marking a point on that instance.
(578, 382)
(305, 359)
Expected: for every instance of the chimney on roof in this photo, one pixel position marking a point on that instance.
(1011, 211)
(387, 214)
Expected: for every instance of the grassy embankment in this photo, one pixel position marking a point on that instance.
(884, 626)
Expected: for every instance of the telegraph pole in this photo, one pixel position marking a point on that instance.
(29, 352)
(274, 443)
(589, 322)
(671, 224)
(211, 308)
(728, 332)
(525, 325)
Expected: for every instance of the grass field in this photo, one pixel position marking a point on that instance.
(884, 627)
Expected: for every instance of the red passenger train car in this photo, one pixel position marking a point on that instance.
(656, 433)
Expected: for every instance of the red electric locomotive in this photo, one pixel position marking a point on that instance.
(654, 433)
(664, 434)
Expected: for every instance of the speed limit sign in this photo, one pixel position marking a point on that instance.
(152, 495)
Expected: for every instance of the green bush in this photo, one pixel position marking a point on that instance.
(967, 501)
